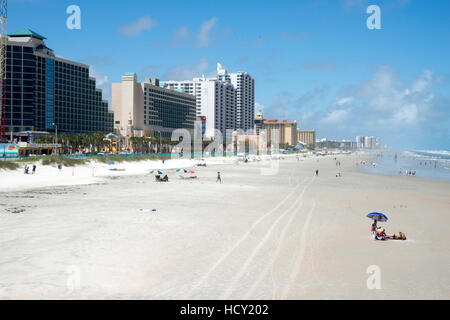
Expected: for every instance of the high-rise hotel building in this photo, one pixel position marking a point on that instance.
(147, 109)
(45, 92)
(215, 100)
(245, 96)
(227, 100)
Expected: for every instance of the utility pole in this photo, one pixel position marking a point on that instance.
(56, 130)
(160, 142)
(3, 62)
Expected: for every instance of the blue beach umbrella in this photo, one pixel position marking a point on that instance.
(182, 170)
(156, 172)
(377, 216)
(111, 163)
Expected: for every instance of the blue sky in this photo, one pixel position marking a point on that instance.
(314, 61)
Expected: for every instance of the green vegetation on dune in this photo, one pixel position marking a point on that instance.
(72, 162)
(119, 158)
(66, 162)
(9, 165)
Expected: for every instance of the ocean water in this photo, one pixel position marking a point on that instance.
(426, 163)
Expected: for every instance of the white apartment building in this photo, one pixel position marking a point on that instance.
(219, 107)
(216, 100)
(227, 101)
(245, 96)
(193, 87)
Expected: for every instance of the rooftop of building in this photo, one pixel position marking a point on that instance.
(275, 121)
(27, 33)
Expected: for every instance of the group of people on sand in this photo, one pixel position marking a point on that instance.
(26, 169)
(163, 179)
(409, 173)
(379, 233)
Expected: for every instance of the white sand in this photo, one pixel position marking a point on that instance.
(93, 172)
(286, 236)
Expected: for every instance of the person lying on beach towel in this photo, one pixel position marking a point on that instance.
(400, 236)
(380, 234)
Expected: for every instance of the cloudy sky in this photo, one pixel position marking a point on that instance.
(314, 61)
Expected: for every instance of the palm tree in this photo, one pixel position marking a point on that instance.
(99, 140)
(134, 143)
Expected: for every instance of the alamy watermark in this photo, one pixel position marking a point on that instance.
(73, 282)
(74, 20)
(243, 144)
(374, 21)
(374, 280)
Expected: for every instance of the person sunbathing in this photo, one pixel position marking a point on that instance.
(380, 234)
(400, 236)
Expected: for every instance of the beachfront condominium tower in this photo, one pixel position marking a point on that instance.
(147, 109)
(287, 131)
(360, 142)
(48, 93)
(245, 96)
(215, 100)
(239, 115)
(307, 138)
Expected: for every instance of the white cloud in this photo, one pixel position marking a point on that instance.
(394, 103)
(180, 34)
(336, 116)
(344, 101)
(259, 107)
(399, 112)
(204, 33)
(424, 82)
(135, 28)
(406, 114)
(187, 71)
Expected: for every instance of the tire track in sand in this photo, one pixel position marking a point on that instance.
(269, 267)
(241, 240)
(267, 235)
(300, 255)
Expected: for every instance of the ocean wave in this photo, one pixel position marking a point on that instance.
(433, 154)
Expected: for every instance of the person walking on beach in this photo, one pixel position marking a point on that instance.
(34, 169)
(219, 178)
(317, 172)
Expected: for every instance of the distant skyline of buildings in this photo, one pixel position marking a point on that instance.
(47, 93)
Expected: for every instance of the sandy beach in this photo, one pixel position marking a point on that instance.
(79, 235)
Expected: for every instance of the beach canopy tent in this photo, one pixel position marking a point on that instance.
(377, 216)
(111, 136)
